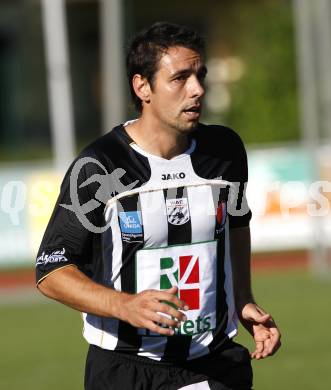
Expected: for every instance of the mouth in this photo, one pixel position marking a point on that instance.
(193, 112)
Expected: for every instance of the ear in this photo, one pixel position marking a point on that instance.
(141, 88)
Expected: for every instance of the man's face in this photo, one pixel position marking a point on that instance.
(176, 96)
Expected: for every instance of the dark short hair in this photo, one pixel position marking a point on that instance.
(146, 48)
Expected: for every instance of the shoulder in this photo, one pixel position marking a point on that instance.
(99, 157)
(108, 151)
(109, 146)
(217, 139)
(96, 171)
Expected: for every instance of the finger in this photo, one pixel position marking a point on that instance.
(169, 310)
(266, 340)
(152, 326)
(261, 318)
(267, 350)
(162, 319)
(270, 345)
(259, 345)
(261, 333)
(256, 316)
(270, 348)
(263, 349)
(274, 335)
(267, 347)
(275, 342)
(166, 296)
(274, 332)
(172, 290)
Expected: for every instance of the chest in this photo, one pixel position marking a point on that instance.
(175, 204)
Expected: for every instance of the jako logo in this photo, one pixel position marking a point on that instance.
(173, 176)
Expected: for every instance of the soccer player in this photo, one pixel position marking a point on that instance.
(150, 237)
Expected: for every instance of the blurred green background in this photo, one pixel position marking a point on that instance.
(252, 42)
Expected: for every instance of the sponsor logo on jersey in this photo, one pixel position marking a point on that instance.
(186, 276)
(221, 213)
(131, 226)
(54, 257)
(177, 211)
(192, 269)
(173, 176)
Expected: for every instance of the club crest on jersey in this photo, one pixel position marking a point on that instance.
(178, 211)
(221, 213)
(131, 226)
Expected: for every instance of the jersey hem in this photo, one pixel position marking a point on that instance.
(55, 270)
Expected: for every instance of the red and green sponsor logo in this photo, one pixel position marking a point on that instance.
(185, 276)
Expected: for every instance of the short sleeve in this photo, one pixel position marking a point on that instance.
(66, 240)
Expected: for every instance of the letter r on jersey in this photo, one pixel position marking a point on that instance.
(189, 279)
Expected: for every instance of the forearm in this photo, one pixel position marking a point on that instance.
(70, 286)
(240, 246)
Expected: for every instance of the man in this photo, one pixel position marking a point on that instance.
(162, 270)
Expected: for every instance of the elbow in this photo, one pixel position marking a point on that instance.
(44, 288)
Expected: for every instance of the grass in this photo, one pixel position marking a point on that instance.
(42, 347)
(301, 306)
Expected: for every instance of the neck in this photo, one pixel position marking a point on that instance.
(156, 139)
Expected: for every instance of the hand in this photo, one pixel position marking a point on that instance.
(145, 309)
(263, 328)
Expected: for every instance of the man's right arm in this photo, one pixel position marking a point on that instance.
(70, 286)
(66, 251)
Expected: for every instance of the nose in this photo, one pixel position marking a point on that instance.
(196, 88)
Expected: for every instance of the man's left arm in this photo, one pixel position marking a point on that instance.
(258, 323)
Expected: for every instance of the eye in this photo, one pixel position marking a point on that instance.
(202, 73)
(180, 78)
(202, 76)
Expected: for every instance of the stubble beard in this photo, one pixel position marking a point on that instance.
(182, 126)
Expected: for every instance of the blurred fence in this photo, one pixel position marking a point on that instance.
(287, 198)
(27, 196)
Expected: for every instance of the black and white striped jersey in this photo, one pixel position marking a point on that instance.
(134, 221)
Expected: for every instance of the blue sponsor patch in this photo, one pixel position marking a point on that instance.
(130, 222)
